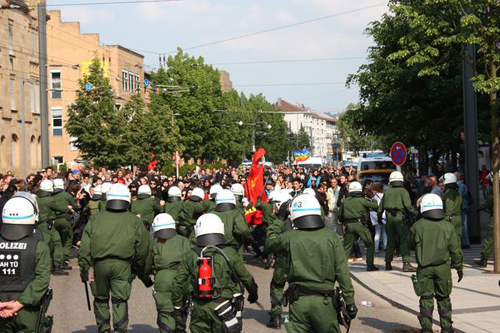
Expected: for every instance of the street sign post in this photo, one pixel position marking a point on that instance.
(398, 153)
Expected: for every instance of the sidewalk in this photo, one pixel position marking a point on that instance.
(475, 301)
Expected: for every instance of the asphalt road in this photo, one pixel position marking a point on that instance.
(71, 315)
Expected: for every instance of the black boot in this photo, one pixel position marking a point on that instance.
(407, 267)
(274, 322)
(388, 266)
(371, 268)
(66, 266)
(59, 271)
(483, 262)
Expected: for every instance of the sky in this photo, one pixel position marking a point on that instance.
(160, 28)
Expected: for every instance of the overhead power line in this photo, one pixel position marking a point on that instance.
(289, 84)
(284, 61)
(107, 3)
(272, 29)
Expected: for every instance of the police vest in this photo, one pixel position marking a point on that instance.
(17, 266)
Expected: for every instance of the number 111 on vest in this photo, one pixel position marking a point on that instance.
(9, 271)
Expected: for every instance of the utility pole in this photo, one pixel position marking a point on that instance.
(471, 146)
(44, 103)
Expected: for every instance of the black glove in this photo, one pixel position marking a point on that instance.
(148, 282)
(352, 310)
(84, 276)
(178, 316)
(253, 297)
(460, 275)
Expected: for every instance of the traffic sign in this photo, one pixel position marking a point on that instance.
(88, 86)
(398, 153)
(146, 83)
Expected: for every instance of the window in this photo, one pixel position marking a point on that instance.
(32, 96)
(33, 42)
(125, 80)
(58, 159)
(57, 123)
(12, 94)
(37, 98)
(72, 141)
(14, 148)
(55, 84)
(11, 37)
(137, 83)
(131, 81)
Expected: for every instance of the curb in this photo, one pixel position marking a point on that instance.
(395, 304)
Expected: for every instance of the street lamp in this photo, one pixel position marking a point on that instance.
(241, 123)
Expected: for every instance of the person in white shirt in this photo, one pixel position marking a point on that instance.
(380, 234)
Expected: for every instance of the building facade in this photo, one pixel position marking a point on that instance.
(20, 137)
(321, 129)
(70, 55)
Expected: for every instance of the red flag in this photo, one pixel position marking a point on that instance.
(255, 187)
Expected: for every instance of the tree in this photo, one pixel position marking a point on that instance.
(148, 132)
(351, 136)
(94, 122)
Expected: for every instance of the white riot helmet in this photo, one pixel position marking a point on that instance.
(19, 216)
(431, 206)
(209, 230)
(118, 197)
(238, 191)
(225, 201)
(214, 189)
(305, 212)
(355, 187)
(280, 198)
(46, 188)
(144, 192)
(106, 187)
(309, 191)
(97, 193)
(58, 184)
(449, 178)
(164, 226)
(197, 195)
(272, 195)
(174, 194)
(396, 176)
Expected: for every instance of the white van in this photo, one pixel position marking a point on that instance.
(311, 163)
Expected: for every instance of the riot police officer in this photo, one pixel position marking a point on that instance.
(145, 207)
(353, 214)
(453, 204)
(166, 251)
(104, 190)
(62, 223)
(116, 243)
(210, 203)
(217, 293)
(239, 193)
(396, 202)
(319, 261)
(173, 206)
(192, 208)
(48, 210)
(435, 243)
(25, 276)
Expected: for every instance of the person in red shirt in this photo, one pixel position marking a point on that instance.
(485, 181)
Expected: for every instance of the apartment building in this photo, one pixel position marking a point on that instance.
(321, 129)
(20, 137)
(70, 54)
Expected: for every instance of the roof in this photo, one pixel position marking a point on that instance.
(123, 48)
(282, 105)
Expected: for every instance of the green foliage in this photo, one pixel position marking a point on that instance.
(95, 124)
(351, 136)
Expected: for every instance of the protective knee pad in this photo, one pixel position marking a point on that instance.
(122, 320)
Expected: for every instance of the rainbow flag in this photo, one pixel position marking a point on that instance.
(301, 155)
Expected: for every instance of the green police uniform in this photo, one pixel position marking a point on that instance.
(209, 205)
(190, 212)
(163, 261)
(117, 245)
(353, 214)
(236, 229)
(62, 224)
(48, 210)
(146, 208)
(435, 242)
(92, 207)
(396, 200)
(489, 240)
(452, 201)
(173, 208)
(28, 288)
(319, 261)
(203, 318)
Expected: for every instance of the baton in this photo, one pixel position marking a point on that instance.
(87, 294)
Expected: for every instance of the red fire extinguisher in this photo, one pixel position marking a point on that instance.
(205, 280)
